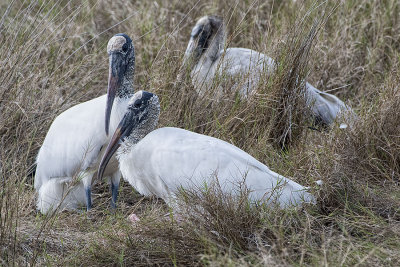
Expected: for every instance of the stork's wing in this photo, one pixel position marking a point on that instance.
(73, 141)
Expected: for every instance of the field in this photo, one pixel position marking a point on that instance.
(53, 56)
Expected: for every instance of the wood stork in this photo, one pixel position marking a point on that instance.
(205, 57)
(163, 161)
(74, 143)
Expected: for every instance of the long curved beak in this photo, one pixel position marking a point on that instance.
(187, 63)
(111, 149)
(124, 129)
(115, 74)
(189, 52)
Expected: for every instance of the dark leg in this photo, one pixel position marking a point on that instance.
(88, 198)
(114, 194)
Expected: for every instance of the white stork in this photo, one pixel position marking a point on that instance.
(74, 143)
(163, 161)
(205, 57)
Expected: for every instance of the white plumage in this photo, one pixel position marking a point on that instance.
(170, 158)
(76, 140)
(73, 147)
(206, 58)
(163, 161)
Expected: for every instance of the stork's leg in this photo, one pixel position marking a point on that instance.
(88, 192)
(87, 182)
(115, 179)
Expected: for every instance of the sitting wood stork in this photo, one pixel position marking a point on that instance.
(205, 57)
(166, 160)
(74, 143)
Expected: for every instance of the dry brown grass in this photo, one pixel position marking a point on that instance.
(52, 56)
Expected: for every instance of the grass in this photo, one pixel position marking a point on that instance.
(53, 56)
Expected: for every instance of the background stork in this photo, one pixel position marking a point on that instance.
(164, 161)
(205, 57)
(74, 143)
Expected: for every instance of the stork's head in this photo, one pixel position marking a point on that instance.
(140, 118)
(207, 34)
(121, 55)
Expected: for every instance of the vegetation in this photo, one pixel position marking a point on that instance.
(53, 56)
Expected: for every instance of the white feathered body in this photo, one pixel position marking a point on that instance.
(169, 159)
(74, 144)
(247, 66)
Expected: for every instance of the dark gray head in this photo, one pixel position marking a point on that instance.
(208, 35)
(140, 119)
(121, 55)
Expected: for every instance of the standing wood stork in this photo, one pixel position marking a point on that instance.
(74, 143)
(163, 161)
(205, 57)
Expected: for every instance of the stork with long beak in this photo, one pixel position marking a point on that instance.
(164, 161)
(76, 139)
(206, 57)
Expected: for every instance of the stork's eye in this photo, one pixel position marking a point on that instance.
(125, 48)
(137, 104)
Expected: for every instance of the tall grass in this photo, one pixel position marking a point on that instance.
(53, 56)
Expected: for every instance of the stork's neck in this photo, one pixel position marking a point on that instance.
(203, 65)
(126, 89)
(129, 143)
(216, 44)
